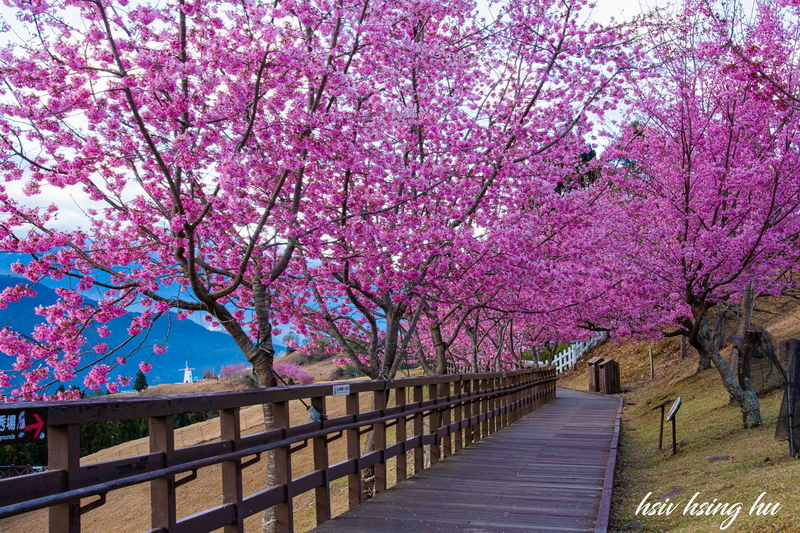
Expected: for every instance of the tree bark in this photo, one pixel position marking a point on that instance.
(743, 395)
(439, 348)
(745, 315)
(262, 366)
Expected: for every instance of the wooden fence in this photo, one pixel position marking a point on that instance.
(567, 358)
(441, 413)
(19, 470)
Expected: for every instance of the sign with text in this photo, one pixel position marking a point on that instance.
(341, 390)
(675, 407)
(22, 425)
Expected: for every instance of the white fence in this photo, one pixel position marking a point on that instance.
(567, 358)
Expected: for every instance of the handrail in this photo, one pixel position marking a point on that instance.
(108, 486)
(460, 409)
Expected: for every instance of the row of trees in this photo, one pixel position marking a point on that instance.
(358, 170)
(401, 182)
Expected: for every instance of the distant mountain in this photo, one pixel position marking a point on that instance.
(186, 341)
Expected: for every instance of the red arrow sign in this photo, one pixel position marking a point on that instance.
(38, 426)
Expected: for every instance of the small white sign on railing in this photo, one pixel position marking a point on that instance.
(341, 390)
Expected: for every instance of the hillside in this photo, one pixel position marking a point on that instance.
(185, 339)
(716, 457)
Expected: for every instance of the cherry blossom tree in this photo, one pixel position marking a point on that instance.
(707, 179)
(521, 130)
(208, 139)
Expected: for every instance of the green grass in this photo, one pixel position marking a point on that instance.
(707, 426)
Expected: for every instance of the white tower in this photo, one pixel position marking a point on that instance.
(187, 373)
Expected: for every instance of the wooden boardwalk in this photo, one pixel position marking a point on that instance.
(552, 470)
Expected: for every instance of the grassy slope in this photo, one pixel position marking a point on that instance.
(707, 427)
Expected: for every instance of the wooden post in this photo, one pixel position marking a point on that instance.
(457, 417)
(661, 406)
(379, 431)
(674, 446)
(486, 405)
(489, 408)
(419, 430)
(516, 399)
(526, 392)
(64, 453)
(353, 451)
(466, 388)
(163, 511)
(683, 347)
(433, 421)
(229, 429)
(652, 366)
(284, 512)
(477, 408)
(503, 403)
(400, 435)
(495, 406)
(322, 495)
(447, 441)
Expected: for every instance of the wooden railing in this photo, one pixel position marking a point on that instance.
(19, 470)
(432, 416)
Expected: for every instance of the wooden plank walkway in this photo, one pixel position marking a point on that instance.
(552, 470)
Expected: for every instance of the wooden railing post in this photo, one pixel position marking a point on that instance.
(528, 392)
(513, 404)
(457, 416)
(353, 452)
(400, 436)
(163, 511)
(466, 388)
(419, 430)
(230, 429)
(63, 453)
(504, 382)
(433, 420)
(320, 444)
(483, 410)
(284, 512)
(509, 401)
(494, 406)
(379, 435)
(447, 441)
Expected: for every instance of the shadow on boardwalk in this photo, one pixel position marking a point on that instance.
(552, 470)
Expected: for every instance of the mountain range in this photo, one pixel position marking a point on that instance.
(186, 340)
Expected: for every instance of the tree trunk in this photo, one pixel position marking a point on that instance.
(473, 338)
(719, 332)
(439, 348)
(704, 362)
(745, 315)
(743, 395)
(262, 366)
